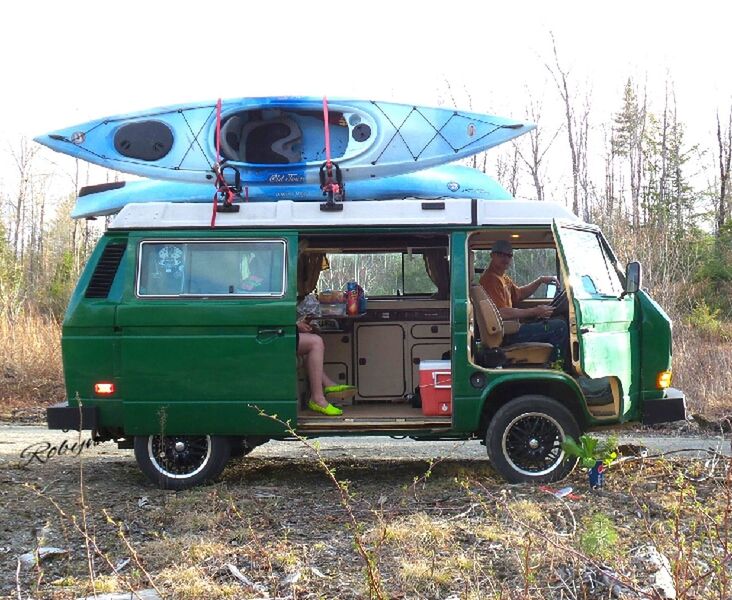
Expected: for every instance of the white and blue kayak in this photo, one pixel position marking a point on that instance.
(445, 181)
(281, 140)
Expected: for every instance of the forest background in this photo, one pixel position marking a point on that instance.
(627, 161)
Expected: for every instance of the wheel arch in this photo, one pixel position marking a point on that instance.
(556, 386)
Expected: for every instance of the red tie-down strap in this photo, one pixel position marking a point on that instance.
(331, 181)
(225, 193)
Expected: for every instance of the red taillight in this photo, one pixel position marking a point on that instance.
(103, 388)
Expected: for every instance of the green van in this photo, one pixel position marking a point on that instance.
(180, 338)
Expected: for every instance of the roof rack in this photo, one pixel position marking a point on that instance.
(286, 213)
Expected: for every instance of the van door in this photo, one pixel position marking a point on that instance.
(208, 334)
(603, 329)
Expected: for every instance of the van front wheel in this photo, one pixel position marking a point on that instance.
(524, 440)
(177, 462)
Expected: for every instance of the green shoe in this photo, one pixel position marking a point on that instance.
(339, 388)
(329, 410)
(339, 392)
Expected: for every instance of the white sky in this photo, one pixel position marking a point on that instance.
(67, 62)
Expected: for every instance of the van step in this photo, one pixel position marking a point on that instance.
(602, 411)
(317, 423)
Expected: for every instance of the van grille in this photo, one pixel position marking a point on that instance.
(103, 276)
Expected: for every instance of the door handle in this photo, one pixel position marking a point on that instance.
(586, 329)
(269, 334)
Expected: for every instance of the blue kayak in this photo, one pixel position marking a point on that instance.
(445, 181)
(281, 140)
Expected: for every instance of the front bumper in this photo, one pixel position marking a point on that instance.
(672, 407)
(63, 416)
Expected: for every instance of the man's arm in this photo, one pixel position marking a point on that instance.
(543, 311)
(494, 288)
(526, 290)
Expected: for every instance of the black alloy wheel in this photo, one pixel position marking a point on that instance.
(178, 462)
(524, 439)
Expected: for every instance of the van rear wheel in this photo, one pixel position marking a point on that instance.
(177, 462)
(524, 440)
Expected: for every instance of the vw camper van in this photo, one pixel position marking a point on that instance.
(180, 338)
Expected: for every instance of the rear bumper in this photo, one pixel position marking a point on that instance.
(63, 416)
(672, 407)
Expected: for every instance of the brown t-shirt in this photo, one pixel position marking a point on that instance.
(500, 288)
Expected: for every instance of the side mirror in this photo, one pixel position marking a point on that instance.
(633, 277)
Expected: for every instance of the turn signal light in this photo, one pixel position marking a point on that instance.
(104, 388)
(663, 380)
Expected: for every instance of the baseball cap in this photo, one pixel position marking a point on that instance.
(502, 246)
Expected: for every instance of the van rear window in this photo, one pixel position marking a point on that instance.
(205, 268)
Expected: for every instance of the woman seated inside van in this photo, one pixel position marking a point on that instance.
(312, 348)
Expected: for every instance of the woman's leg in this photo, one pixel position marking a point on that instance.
(312, 348)
(327, 381)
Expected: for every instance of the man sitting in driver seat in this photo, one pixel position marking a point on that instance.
(505, 294)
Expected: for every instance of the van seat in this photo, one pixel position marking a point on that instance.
(492, 328)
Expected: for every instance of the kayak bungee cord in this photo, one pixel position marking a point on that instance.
(79, 137)
(333, 187)
(438, 132)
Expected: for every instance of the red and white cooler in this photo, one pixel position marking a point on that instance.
(435, 387)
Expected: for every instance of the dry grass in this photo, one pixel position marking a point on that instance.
(30, 362)
(193, 583)
(703, 369)
(469, 536)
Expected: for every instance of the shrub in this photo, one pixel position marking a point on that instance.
(600, 537)
(706, 320)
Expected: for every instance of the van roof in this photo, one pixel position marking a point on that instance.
(286, 213)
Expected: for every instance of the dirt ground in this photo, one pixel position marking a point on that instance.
(277, 526)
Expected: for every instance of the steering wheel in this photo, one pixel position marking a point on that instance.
(560, 303)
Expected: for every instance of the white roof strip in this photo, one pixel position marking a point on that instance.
(285, 213)
(522, 212)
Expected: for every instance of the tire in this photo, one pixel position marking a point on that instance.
(178, 462)
(524, 440)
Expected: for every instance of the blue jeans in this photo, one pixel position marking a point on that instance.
(552, 331)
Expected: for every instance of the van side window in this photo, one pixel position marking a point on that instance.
(526, 266)
(202, 268)
(530, 263)
(383, 274)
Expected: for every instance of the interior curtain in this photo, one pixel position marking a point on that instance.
(438, 269)
(309, 267)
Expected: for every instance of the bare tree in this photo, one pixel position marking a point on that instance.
(609, 178)
(583, 171)
(577, 128)
(533, 160)
(507, 169)
(23, 157)
(724, 141)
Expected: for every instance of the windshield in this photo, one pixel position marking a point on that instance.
(591, 271)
